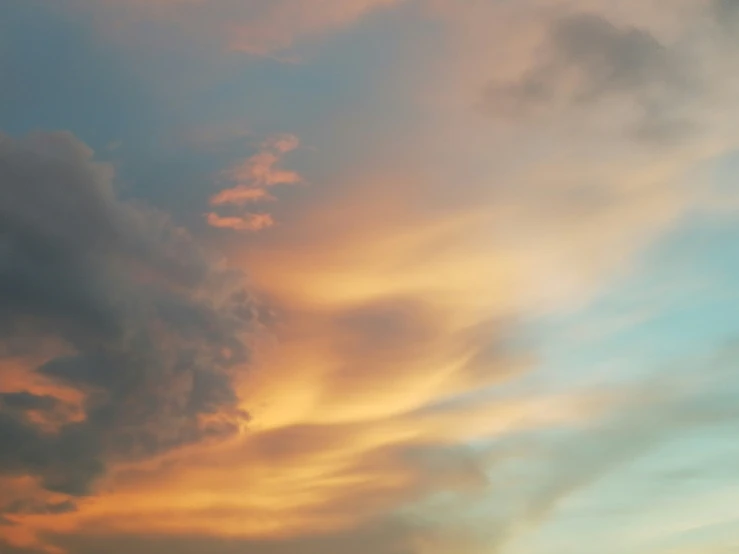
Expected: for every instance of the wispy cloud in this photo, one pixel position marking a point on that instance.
(255, 27)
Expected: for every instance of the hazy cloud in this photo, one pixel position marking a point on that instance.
(585, 60)
(257, 27)
(727, 11)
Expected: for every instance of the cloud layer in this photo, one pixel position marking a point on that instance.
(112, 307)
(409, 358)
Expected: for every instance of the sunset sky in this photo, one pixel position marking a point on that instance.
(369, 276)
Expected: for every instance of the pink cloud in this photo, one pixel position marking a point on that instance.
(247, 222)
(252, 177)
(261, 169)
(279, 23)
(240, 195)
(282, 143)
(258, 27)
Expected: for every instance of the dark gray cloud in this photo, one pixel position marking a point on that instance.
(154, 330)
(726, 11)
(725, 15)
(25, 401)
(7, 548)
(30, 507)
(587, 60)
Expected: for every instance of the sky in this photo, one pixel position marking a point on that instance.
(369, 276)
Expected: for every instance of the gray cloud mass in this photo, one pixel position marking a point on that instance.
(153, 329)
(587, 59)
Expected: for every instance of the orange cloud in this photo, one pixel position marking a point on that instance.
(350, 415)
(357, 406)
(396, 316)
(19, 376)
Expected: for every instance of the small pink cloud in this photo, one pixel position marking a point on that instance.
(280, 23)
(261, 169)
(282, 143)
(240, 195)
(252, 177)
(269, 28)
(246, 222)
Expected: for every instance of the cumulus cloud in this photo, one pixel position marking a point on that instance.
(152, 330)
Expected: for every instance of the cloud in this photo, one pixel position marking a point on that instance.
(588, 60)
(353, 410)
(256, 27)
(248, 222)
(151, 330)
(280, 23)
(389, 538)
(385, 392)
(726, 11)
(252, 178)
(261, 170)
(240, 195)
(35, 508)
(697, 394)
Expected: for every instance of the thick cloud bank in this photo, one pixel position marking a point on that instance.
(151, 330)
